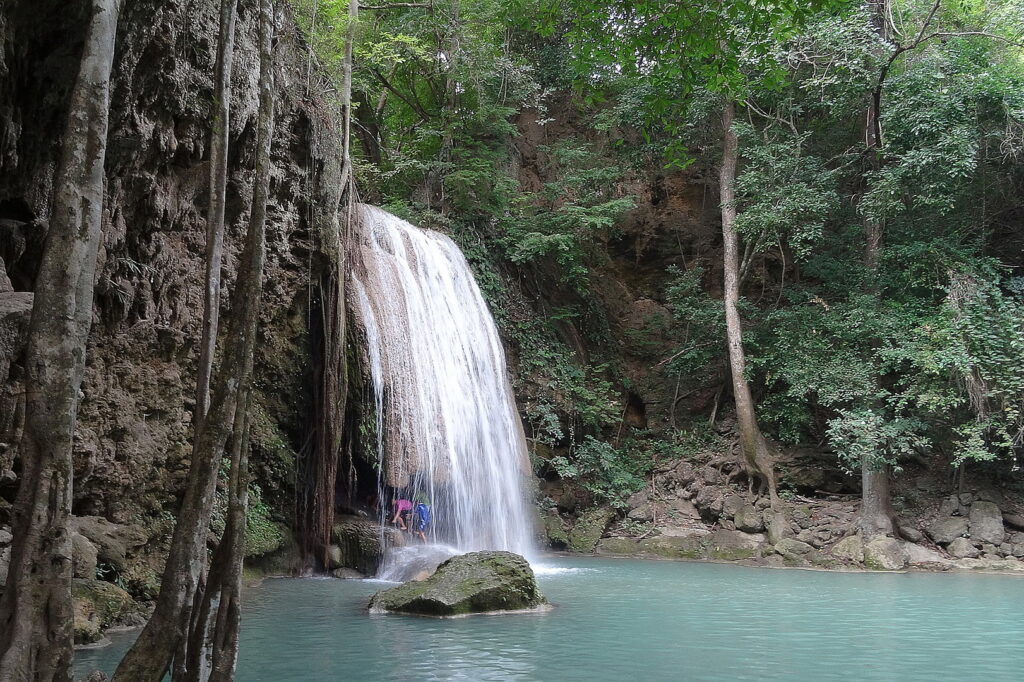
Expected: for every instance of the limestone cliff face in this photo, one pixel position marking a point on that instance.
(131, 451)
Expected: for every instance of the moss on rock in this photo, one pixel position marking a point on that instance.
(99, 605)
(478, 582)
(589, 528)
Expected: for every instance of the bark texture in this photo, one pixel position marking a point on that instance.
(331, 381)
(757, 455)
(218, 198)
(35, 609)
(877, 514)
(213, 643)
(165, 636)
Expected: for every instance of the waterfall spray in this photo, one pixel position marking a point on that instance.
(448, 433)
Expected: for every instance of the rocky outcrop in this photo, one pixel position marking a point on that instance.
(478, 582)
(358, 544)
(588, 529)
(99, 605)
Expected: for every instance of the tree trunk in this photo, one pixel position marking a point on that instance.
(877, 515)
(35, 608)
(216, 209)
(212, 650)
(164, 636)
(757, 455)
(331, 387)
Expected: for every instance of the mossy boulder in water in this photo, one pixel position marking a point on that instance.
(478, 582)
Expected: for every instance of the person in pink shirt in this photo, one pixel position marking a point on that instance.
(402, 509)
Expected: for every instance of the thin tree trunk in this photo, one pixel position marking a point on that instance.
(35, 608)
(876, 514)
(165, 634)
(212, 650)
(757, 455)
(216, 210)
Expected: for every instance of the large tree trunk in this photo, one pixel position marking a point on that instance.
(877, 515)
(757, 455)
(213, 643)
(35, 609)
(165, 634)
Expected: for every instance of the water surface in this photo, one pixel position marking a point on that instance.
(646, 620)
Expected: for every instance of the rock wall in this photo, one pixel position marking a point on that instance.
(132, 449)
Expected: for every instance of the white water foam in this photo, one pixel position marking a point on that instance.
(448, 432)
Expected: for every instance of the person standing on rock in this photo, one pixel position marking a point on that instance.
(422, 520)
(402, 509)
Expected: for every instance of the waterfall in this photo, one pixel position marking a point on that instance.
(448, 432)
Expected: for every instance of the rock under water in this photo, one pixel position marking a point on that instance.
(478, 582)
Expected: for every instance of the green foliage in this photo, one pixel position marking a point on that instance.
(262, 534)
(610, 474)
(574, 210)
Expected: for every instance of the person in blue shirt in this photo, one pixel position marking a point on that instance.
(421, 520)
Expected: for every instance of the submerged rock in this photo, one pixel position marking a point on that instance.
(478, 582)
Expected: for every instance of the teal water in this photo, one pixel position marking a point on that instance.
(645, 620)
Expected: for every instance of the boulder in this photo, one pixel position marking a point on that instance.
(911, 533)
(683, 509)
(357, 543)
(555, 534)
(618, 546)
(1014, 520)
(83, 557)
(944, 531)
(778, 526)
(748, 519)
(589, 528)
(949, 506)
(733, 544)
(962, 548)
(644, 512)
(113, 541)
(5, 564)
(99, 605)
(987, 523)
(673, 547)
(884, 554)
(5, 536)
(850, 549)
(1017, 550)
(478, 582)
(792, 547)
(923, 556)
(347, 574)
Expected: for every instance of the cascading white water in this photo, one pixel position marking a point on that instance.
(448, 432)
